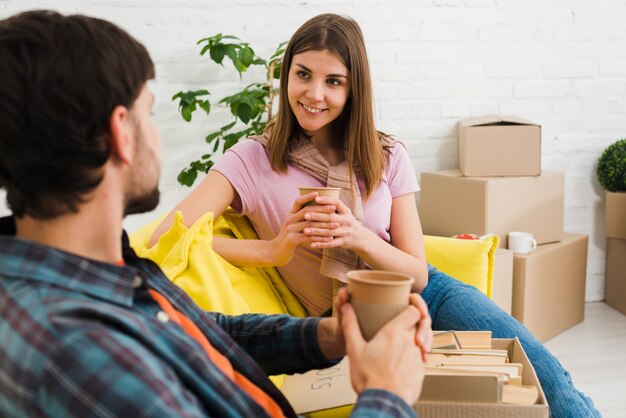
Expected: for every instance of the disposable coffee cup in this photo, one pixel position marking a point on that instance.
(323, 191)
(521, 242)
(377, 296)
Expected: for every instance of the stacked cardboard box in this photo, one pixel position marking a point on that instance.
(498, 188)
(615, 228)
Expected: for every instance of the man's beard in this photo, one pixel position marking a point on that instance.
(143, 203)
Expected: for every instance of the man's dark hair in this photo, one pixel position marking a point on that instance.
(60, 79)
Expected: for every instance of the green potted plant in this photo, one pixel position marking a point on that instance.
(611, 173)
(251, 107)
(611, 169)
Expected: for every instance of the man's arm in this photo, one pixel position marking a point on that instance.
(104, 373)
(279, 343)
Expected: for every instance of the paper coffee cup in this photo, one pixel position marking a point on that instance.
(377, 296)
(521, 242)
(323, 191)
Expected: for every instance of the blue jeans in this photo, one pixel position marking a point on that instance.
(457, 306)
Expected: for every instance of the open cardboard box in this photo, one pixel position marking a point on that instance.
(499, 146)
(329, 393)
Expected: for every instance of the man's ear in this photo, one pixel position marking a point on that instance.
(120, 144)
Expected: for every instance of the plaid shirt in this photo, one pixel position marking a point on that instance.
(81, 338)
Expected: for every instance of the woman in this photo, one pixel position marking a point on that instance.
(324, 135)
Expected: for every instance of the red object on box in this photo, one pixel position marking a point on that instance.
(466, 236)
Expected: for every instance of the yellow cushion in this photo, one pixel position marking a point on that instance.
(470, 261)
(187, 258)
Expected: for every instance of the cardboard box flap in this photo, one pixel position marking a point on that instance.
(480, 121)
(512, 120)
(518, 355)
(491, 120)
(318, 390)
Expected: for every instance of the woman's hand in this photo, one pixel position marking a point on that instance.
(301, 219)
(349, 232)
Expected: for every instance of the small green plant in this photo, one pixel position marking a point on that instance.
(611, 169)
(251, 107)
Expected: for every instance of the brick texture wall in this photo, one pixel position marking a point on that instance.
(561, 63)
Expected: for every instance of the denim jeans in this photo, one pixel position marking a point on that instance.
(457, 306)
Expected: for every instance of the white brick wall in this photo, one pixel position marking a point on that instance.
(561, 63)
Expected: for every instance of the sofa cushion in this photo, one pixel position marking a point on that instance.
(470, 261)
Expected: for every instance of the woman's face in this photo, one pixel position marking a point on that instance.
(318, 88)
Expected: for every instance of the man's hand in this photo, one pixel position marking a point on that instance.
(391, 360)
(424, 334)
(329, 333)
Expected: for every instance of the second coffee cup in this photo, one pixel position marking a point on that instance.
(377, 296)
(323, 191)
(521, 242)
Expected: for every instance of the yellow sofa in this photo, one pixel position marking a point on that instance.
(187, 258)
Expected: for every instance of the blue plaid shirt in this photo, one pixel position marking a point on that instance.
(81, 338)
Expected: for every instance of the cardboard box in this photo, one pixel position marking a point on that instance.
(615, 215)
(549, 286)
(451, 204)
(502, 289)
(499, 146)
(615, 228)
(329, 393)
(615, 290)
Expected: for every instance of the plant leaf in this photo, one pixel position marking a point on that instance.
(187, 176)
(244, 112)
(217, 53)
(246, 55)
(205, 105)
(227, 127)
(186, 112)
(231, 51)
(211, 137)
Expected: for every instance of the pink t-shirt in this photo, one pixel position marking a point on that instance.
(266, 197)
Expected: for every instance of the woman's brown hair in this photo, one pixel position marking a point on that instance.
(354, 128)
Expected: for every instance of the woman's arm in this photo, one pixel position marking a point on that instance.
(405, 253)
(214, 194)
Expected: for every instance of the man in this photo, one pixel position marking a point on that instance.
(89, 329)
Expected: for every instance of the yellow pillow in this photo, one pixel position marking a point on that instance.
(470, 261)
(187, 258)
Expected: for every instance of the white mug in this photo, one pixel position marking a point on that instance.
(521, 242)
